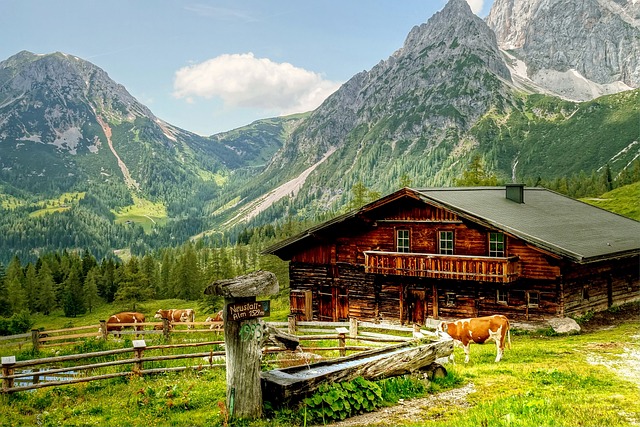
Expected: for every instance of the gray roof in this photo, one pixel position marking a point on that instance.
(546, 219)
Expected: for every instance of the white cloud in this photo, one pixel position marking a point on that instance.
(476, 5)
(242, 80)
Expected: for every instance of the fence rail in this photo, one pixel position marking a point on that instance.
(44, 368)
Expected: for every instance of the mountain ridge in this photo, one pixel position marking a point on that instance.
(448, 95)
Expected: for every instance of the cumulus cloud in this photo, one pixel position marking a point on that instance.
(476, 5)
(242, 80)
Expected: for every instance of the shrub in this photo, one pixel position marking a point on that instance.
(338, 401)
(19, 323)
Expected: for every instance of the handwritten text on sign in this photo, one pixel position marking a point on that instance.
(248, 310)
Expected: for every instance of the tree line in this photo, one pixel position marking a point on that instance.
(76, 282)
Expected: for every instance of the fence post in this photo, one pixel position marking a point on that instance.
(35, 340)
(292, 324)
(165, 328)
(244, 337)
(138, 348)
(353, 327)
(342, 334)
(103, 329)
(7, 370)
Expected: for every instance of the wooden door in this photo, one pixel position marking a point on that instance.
(342, 305)
(333, 304)
(417, 306)
(301, 305)
(325, 304)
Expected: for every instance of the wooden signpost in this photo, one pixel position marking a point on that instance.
(244, 334)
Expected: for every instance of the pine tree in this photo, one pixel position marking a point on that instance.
(46, 300)
(73, 301)
(17, 295)
(32, 287)
(5, 306)
(91, 297)
(130, 284)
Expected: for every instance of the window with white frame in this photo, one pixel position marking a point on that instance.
(502, 297)
(446, 242)
(402, 241)
(496, 244)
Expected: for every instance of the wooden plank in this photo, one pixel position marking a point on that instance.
(296, 382)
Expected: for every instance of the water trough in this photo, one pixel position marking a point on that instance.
(296, 382)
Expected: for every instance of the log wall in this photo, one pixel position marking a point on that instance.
(598, 286)
(561, 287)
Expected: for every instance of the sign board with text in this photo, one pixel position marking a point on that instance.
(248, 310)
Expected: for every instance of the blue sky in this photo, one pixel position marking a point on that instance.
(212, 66)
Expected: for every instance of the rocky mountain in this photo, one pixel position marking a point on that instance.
(520, 92)
(453, 92)
(69, 132)
(578, 50)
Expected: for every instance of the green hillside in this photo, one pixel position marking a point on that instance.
(623, 201)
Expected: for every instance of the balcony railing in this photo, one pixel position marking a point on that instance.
(456, 267)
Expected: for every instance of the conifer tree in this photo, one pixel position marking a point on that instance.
(475, 175)
(130, 289)
(32, 287)
(46, 300)
(17, 295)
(107, 286)
(73, 300)
(91, 297)
(5, 306)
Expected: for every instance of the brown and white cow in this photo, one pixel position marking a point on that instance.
(176, 315)
(115, 321)
(219, 317)
(478, 330)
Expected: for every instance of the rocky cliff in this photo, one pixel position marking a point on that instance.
(576, 49)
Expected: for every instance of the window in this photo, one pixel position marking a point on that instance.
(502, 297)
(450, 299)
(533, 299)
(446, 242)
(402, 241)
(496, 244)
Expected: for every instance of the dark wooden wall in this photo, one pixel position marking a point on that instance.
(559, 283)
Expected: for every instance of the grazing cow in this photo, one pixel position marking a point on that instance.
(175, 315)
(114, 323)
(219, 317)
(478, 330)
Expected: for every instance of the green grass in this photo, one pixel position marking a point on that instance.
(541, 381)
(548, 381)
(623, 201)
(143, 212)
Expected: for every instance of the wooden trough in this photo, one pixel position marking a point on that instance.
(294, 383)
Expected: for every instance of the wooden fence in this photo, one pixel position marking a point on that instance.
(40, 371)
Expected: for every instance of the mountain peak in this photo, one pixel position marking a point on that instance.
(578, 49)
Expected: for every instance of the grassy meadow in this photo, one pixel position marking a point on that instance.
(588, 379)
(623, 201)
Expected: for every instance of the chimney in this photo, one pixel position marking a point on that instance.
(515, 192)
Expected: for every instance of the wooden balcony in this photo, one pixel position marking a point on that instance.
(455, 267)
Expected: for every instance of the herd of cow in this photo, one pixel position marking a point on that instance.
(463, 332)
(132, 318)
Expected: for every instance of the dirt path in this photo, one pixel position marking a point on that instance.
(410, 410)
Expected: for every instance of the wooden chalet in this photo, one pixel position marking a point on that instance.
(528, 253)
